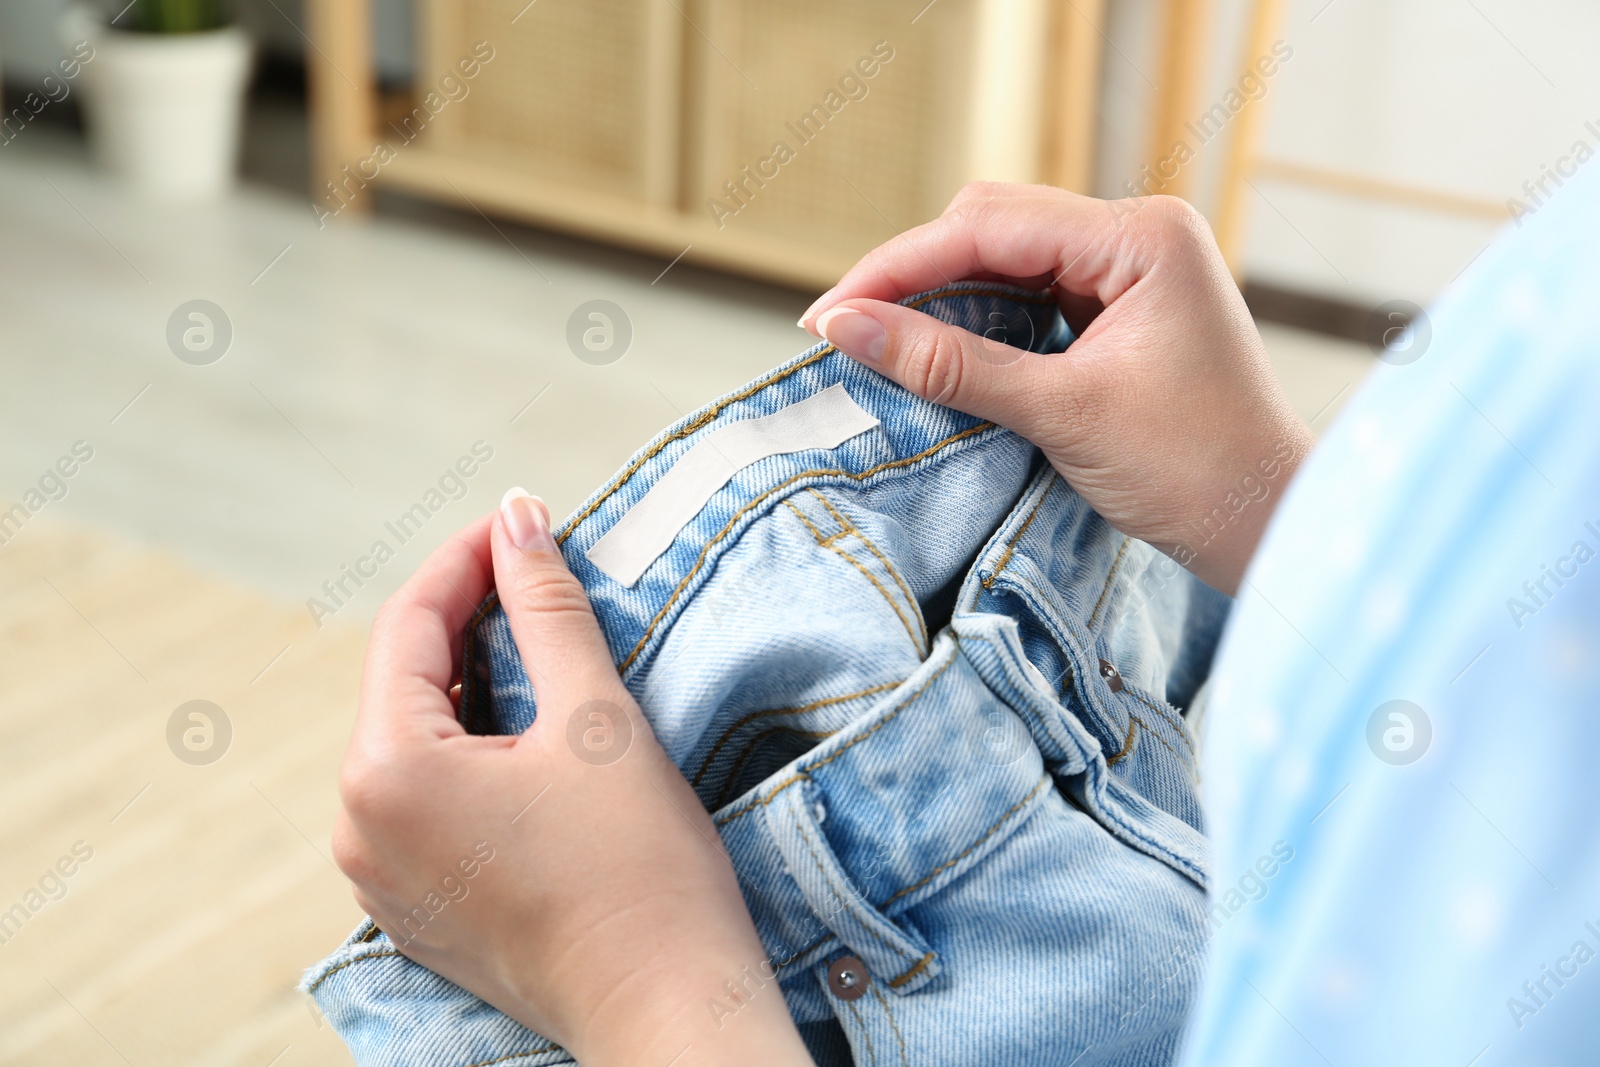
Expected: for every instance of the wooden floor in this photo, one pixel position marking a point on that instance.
(210, 888)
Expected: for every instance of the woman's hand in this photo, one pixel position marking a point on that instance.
(1164, 414)
(586, 896)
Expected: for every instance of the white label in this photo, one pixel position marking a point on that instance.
(826, 420)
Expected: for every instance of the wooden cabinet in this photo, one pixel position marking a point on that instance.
(779, 138)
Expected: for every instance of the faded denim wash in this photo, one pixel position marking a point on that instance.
(936, 705)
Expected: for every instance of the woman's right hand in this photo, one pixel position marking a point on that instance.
(1164, 414)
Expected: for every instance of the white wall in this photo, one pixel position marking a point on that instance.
(1470, 97)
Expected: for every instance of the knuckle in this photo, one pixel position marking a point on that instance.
(1175, 219)
(981, 190)
(350, 858)
(549, 592)
(392, 612)
(970, 214)
(386, 612)
(932, 365)
(369, 786)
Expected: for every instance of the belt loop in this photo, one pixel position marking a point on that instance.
(898, 958)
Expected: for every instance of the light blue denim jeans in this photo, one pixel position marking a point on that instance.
(936, 706)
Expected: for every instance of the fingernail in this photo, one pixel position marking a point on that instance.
(527, 521)
(812, 310)
(854, 333)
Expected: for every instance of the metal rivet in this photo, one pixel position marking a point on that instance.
(1113, 679)
(848, 978)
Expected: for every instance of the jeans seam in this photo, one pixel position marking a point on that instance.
(1186, 757)
(964, 853)
(906, 976)
(744, 754)
(804, 773)
(1022, 709)
(329, 973)
(894, 572)
(711, 542)
(1137, 833)
(1135, 720)
(894, 1026)
(817, 534)
(834, 892)
(1111, 574)
(861, 1027)
(834, 546)
(1127, 742)
(1030, 589)
(513, 1056)
(1166, 717)
(917, 967)
(1108, 815)
(1011, 545)
(708, 416)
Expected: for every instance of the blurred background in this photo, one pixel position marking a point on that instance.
(295, 288)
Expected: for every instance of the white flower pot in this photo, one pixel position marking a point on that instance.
(163, 110)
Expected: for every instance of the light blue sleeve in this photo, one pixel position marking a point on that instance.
(1401, 752)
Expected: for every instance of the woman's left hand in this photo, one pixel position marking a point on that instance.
(590, 900)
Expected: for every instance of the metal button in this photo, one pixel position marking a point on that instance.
(848, 978)
(1113, 679)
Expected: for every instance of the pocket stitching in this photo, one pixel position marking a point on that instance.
(850, 526)
(832, 545)
(833, 891)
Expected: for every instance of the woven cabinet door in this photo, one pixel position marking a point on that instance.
(839, 123)
(580, 92)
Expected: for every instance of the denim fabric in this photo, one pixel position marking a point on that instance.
(935, 704)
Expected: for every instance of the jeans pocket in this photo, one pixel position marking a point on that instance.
(896, 956)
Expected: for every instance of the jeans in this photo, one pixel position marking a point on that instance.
(936, 706)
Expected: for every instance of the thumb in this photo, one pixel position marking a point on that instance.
(552, 622)
(979, 374)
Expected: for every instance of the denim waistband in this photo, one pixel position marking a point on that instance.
(914, 433)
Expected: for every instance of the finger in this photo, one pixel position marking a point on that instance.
(982, 376)
(348, 854)
(551, 619)
(1087, 247)
(415, 641)
(989, 190)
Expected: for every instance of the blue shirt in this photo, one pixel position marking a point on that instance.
(1401, 752)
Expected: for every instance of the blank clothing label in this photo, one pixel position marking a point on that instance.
(825, 420)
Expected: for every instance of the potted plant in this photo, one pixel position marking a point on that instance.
(164, 97)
